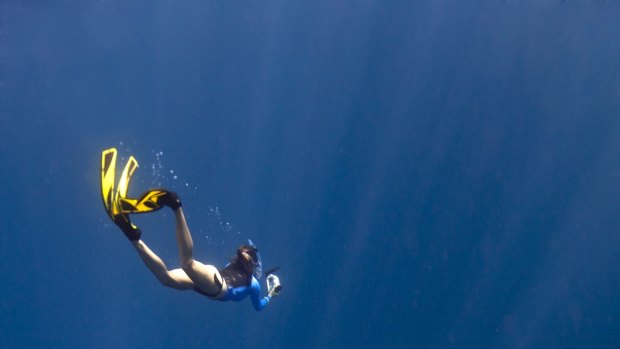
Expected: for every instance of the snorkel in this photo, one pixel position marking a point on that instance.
(258, 264)
(273, 282)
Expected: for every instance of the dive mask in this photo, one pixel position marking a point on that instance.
(258, 264)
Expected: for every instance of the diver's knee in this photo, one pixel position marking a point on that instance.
(168, 282)
(166, 279)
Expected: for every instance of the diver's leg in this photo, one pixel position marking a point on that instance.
(184, 238)
(176, 278)
(205, 277)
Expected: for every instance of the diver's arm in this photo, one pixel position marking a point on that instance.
(255, 294)
(176, 278)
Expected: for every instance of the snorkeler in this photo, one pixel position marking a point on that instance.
(235, 282)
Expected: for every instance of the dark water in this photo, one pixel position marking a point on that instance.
(427, 174)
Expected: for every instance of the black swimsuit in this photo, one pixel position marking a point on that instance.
(234, 275)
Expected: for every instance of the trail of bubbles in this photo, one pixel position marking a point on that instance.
(219, 230)
(157, 168)
(167, 178)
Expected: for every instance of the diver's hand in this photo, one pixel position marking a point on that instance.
(275, 292)
(273, 286)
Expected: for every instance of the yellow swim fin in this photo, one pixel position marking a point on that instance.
(118, 205)
(108, 177)
(108, 171)
(150, 201)
(111, 197)
(123, 183)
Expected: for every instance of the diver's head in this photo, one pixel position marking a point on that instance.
(249, 258)
(246, 256)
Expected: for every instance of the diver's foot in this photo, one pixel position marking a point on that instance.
(132, 232)
(171, 199)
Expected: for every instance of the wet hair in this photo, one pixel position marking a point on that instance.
(240, 260)
(239, 271)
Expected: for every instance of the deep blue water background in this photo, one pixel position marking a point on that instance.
(427, 174)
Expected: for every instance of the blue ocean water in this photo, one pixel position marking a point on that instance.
(427, 174)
